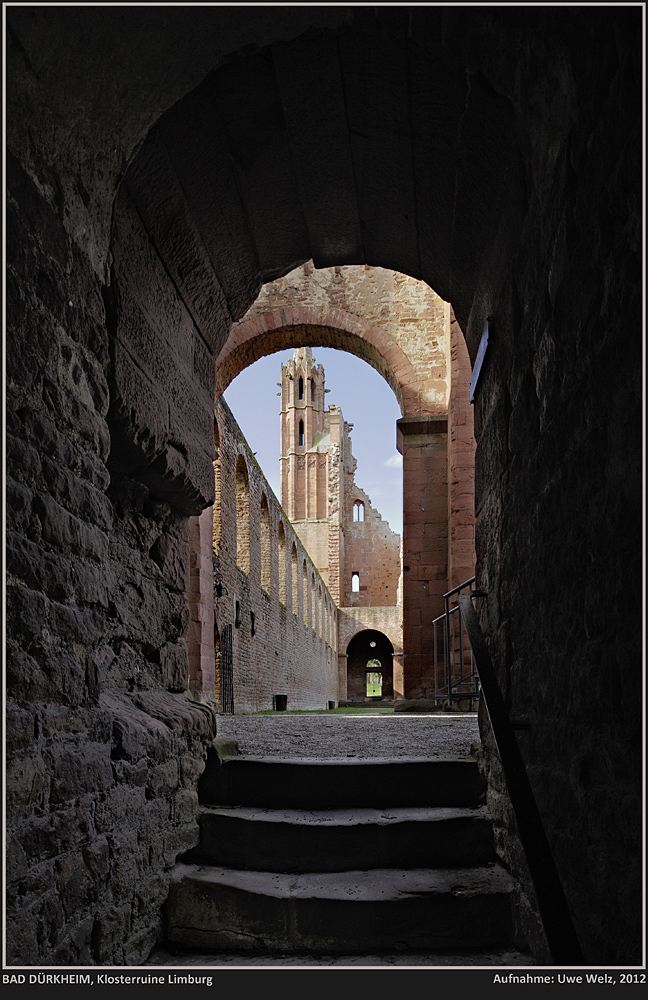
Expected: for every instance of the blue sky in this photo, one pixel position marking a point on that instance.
(367, 402)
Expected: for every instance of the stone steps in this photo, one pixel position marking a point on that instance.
(218, 908)
(305, 783)
(328, 840)
(340, 856)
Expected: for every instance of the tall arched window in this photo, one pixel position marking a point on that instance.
(312, 387)
(305, 596)
(216, 509)
(294, 580)
(242, 516)
(266, 552)
(301, 432)
(358, 511)
(301, 388)
(282, 562)
(355, 583)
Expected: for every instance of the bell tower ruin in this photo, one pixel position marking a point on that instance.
(356, 553)
(303, 433)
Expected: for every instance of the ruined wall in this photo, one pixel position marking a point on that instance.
(279, 647)
(99, 725)
(319, 491)
(372, 550)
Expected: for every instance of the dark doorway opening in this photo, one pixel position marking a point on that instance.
(370, 670)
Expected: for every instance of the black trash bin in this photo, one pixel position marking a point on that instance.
(280, 702)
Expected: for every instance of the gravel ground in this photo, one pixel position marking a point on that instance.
(331, 737)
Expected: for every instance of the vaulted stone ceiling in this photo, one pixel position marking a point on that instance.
(411, 138)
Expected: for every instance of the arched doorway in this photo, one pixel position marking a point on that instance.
(370, 669)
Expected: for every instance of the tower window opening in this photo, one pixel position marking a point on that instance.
(355, 583)
(301, 388)
(312, 385)
(358, 511)
(301, 432)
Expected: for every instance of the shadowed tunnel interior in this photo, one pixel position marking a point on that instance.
(162, 164)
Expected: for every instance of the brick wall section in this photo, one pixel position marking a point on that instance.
(286, 654)
(372, 550)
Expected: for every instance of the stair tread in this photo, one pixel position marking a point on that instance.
(379, 884)
(347, 761)
(349, 816)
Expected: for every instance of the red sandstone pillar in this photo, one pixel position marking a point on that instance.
(342, 677)
(422, 441)
(201, 607)
(398, 677)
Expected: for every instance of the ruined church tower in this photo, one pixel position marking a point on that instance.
(303, 455)
(355, 551)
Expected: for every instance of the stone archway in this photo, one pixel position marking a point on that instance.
(409, 335)
(497, 154)
(366, 649)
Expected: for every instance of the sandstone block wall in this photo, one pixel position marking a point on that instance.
(372, 550)
(104, 748)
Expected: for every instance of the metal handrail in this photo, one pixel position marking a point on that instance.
(560, 932)
(456, 682)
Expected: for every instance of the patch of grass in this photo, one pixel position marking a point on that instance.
(325, 711)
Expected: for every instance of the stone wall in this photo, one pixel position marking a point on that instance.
(104, 747)
(372, 550)
(558, 504)
(279, 647)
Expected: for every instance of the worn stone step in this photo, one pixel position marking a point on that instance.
(336, 784)
(218, 908)
(329, 840)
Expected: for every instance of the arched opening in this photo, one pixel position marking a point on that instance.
(242, 516)
(358, 511)
(301, 434)
(305, 595)
(281, 546)
(217, 665)
(294, 576)
(266, 546)
(370, 673)
(216, 510)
